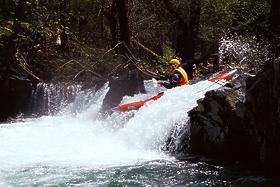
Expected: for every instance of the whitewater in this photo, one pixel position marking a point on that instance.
(78, 146)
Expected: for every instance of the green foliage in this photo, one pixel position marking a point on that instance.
(218, 17)
(168, 52)
(251, 16)
(150, 23)
(215, 19)
(5, 31)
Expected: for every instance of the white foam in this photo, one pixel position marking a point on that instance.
(85, 140)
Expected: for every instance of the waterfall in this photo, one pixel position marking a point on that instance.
(73, 138)
(49, 99)
(76, 135)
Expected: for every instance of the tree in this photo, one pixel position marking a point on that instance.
(116, 13)
(275, 28)
(110, 12)
(6, 9)
(123, 22)
(187, 32)
(19, 16)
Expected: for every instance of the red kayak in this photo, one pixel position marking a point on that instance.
(227, 76)
(136, 105)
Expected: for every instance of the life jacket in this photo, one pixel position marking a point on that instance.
(184, 76)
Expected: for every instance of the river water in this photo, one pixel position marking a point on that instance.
(76, 146)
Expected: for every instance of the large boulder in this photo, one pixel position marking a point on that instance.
(217, 126)
(241, 124)
(15, 94)
(263, 115)
(128, 82)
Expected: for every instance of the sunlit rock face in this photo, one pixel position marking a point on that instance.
(127, 83)
(241, 123)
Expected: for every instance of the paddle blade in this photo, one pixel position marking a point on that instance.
(155, 82)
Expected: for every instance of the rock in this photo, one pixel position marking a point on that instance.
(217, 126)
(15, 93)
(129, 82)
(241, 123)
(215, 129)
(263, 115)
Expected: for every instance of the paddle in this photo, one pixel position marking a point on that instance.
(155, 82)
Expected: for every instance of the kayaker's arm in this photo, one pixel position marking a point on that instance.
(173, 81)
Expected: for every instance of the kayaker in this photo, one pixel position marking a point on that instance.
(176, 77)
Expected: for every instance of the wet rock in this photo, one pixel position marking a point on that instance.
(15, 93)
(241, 124)
(129, 82)
(216, 127)
(263, 115)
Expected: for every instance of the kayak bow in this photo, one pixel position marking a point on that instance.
(224, 76)
(136, 105)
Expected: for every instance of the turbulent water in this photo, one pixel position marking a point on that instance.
(77, 147)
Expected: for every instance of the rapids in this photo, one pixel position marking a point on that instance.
(76, 147)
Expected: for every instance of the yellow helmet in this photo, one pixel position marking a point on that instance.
(175, 63)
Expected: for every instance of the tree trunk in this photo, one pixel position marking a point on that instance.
(5, 9)
(188, 55)
(275, 28)
(19, 16)
(123, 21)
(185, 41)
(111, 17)
(20, 10)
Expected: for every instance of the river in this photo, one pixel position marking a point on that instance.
(77, 146)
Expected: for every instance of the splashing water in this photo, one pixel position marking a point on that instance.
(241, 51)
(78, 148)
(49, 99)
